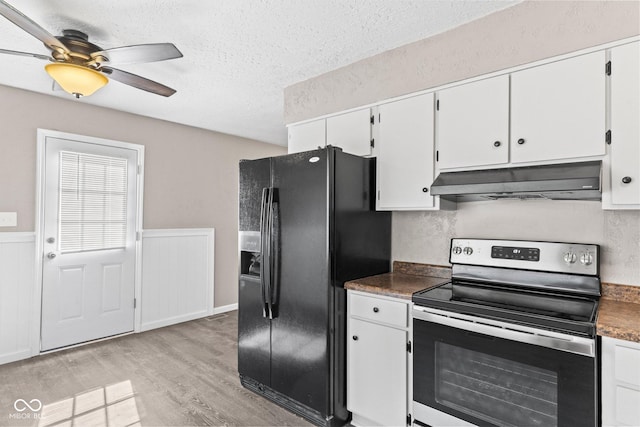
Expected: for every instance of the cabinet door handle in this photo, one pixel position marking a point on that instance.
(376, 309)
(626, 180)
(355, 338)
(425, 190)
(521, 141)
(497, 144)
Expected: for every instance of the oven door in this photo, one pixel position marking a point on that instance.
(477, 370)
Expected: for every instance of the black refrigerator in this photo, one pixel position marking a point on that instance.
(307, 224)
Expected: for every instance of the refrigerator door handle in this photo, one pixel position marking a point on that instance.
(274, 254)
(264, 264)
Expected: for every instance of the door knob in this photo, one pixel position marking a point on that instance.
(521, 141)
(51, 255)
(355, 338)
(626, 180)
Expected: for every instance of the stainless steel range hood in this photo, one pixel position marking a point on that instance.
(569, 181)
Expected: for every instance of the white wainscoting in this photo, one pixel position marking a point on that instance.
(17, 301)
(177, 276)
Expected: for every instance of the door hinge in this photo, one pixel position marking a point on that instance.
(378, 194)
(437, 156)
(378, 117)
(373, 119)
(137, 236)
(409, 346)
(607, 68)
(135, 302)
(607, 137)
(408, 419)
(438, 105)
(139, 169)
(373, 142)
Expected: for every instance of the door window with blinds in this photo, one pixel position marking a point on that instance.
(93, 202)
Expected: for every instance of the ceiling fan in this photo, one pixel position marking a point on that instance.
(80, 67)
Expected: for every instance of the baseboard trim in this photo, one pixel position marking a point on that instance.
(225, 308)
(15, 356)
(172, 321)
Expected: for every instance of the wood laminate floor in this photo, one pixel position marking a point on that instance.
(181, 375)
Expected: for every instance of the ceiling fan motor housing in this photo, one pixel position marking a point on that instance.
(80, 48)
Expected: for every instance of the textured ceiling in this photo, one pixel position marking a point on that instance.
(239, 55)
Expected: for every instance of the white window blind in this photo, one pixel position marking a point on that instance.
(93, 202)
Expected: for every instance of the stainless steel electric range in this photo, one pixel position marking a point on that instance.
(510, 341)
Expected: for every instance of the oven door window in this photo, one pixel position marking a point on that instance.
(498, 390)
(490, 381)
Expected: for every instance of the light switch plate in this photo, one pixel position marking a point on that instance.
(8, 219)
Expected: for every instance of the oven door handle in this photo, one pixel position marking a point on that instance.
(508, 331)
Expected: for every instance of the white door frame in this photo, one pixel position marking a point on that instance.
(43, 134)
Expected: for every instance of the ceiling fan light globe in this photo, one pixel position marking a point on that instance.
(75, 79)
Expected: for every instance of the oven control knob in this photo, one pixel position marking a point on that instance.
(586, 258)
(467, 250)
(570, 257)
(457, 250)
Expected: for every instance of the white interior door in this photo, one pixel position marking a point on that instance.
(89, 254)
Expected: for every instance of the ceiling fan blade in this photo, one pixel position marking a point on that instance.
(35, 55)
(139, 53)
(30, 26)
(137, 81)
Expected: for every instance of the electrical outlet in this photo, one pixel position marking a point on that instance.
(8, 219)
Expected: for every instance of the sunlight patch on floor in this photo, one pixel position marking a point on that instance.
(112, 405)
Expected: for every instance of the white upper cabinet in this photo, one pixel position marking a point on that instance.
(625, 125)
(351, 132)
(473, 124)
(405, 154)
(307, 136)
(558, 110)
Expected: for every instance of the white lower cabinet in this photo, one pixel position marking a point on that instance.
(377, 360)
(620, 382)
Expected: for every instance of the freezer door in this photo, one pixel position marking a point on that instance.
(254, 330)
(300, 330)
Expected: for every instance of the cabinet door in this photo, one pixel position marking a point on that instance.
(351, 132)
(473, 124)
(625, 124)
(307, 136)
(558, 110)
(620, 382)
(405, 154)
(377, 373)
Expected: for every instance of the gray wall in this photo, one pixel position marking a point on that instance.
(191, 175)
(524, 33)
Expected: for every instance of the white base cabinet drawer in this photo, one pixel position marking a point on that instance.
(379, 310)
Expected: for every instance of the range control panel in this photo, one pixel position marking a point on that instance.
(558, 257)
(512, 252)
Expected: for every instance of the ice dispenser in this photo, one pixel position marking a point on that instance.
(250, 256)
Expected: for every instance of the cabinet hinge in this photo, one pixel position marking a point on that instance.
(139, 169)
(373, 142)
(438, 105)
(409, 346)
(437, 156)
(373, 119)
(378, 117)
(408, 419)
(378, 194)
(137, 236)
(607, 68)
(607, 137)
(135, 302)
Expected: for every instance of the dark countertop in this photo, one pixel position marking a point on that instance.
(619, 312)
(405, 279)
